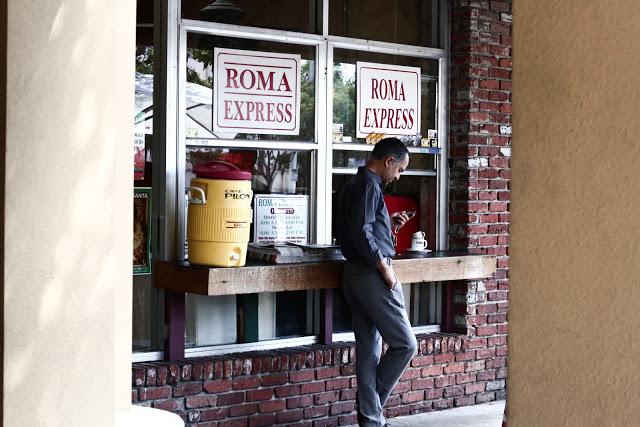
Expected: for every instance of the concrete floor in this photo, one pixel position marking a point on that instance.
(485, 415)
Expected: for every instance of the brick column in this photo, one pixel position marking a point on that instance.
(480, 153)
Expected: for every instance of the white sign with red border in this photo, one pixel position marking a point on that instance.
(388, 99)
(256, 92)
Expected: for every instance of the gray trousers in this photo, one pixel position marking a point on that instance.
(377, 311)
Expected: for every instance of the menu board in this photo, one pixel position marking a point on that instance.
(281, 218)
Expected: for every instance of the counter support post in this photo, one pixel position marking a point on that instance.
(326, 316)
(174, 306)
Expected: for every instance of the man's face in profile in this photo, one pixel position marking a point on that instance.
(393, 168)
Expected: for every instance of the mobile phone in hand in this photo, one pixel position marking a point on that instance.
(396, 227)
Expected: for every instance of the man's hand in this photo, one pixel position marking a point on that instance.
(388, 275)
(399, 219)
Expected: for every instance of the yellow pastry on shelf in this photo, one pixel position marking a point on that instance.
(374, 138)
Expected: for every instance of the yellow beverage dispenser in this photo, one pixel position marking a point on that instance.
(220, 215)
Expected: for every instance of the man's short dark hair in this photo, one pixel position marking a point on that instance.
(390, 147)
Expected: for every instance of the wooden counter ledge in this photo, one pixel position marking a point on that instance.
(253, 278)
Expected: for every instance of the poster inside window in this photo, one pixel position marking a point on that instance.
(142, 230)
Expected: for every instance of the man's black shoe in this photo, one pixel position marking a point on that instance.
(360, 419)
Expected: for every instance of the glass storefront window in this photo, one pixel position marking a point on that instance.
(291, 15)
(284, 164)
(413, 22)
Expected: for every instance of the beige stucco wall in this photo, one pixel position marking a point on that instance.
(574, 289)
(67, 297)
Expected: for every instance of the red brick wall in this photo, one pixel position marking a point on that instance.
(311, 385)
(315, 385)
(480, 159)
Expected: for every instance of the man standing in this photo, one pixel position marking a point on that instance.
(369, 283)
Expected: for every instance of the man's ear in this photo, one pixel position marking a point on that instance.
(388, 161)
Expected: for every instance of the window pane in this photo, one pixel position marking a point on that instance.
(293, 15)
(341, 312)
(254, 317)
(143, 106)
(200, 83)
(210, 320)
(147, 315)
(413, 22)
(295, 313)
(423, 303)
(344, 90)
(144, 12)
(416, 193)
(246, 318)
(274, 171)
(147, 311)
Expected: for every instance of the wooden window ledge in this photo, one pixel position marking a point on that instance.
(255, 278)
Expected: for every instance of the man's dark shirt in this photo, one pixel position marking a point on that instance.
(364, 225)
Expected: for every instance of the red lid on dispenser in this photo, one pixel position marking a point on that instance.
(220, 170)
